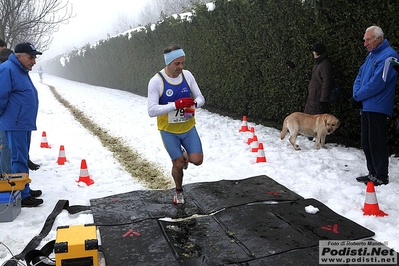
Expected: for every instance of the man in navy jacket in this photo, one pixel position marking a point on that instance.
(374, 94)
(18, 111)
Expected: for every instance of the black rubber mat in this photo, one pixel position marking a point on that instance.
(202, 241)
(201, 198)
(300, 257)
(213, 196)
(253, 221)
(324, 225)
(141, 243)
(267, 229)
(139, 205)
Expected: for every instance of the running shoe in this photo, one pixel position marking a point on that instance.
(178, 198)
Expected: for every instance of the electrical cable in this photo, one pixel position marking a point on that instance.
(12, 255)
(45, 260)
(4, 176)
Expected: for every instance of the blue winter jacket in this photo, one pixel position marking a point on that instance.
(376, 81)
(18, 97)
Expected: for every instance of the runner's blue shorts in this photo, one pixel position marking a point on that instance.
(173, 142)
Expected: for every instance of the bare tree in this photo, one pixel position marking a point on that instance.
(123, 23)
(32, 21)
(149, 14)
(156, 10)
(171, 7)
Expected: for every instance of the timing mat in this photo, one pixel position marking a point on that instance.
(252, 221)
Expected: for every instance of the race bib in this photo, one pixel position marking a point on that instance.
(176, 116)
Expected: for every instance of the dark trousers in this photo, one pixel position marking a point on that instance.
(374, 143)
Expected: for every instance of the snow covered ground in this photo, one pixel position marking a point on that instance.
(327, 175)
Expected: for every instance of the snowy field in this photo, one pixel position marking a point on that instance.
(327, 175)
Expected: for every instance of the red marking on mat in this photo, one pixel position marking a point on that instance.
(127, 233)
(275, 193)
(116, 200)
(130, 232)
(333, 228)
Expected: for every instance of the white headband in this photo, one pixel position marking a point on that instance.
(169, 57)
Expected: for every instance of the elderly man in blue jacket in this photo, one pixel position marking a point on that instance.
(18, 111)
(374, 95)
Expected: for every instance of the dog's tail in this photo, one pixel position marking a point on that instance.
(284, 130)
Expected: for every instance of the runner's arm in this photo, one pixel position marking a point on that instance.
(195, 90)
(154, 91)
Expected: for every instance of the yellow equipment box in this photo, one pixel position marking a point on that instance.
(76, 245)
(12, 182)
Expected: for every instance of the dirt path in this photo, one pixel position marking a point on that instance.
(145, 172)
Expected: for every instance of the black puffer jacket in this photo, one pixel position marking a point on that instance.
(320, 86)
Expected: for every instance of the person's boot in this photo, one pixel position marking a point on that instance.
(31, 202)
(35, 193)
(32, 166)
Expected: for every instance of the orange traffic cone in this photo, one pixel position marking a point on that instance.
(244, 125)
(251, 137)
(261, 158)
(254, 144)
(370, 204)
(61, 157)
(84, 174)
(44, 143)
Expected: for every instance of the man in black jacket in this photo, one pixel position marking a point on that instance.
(320, 83)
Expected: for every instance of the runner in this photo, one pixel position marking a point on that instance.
(173, 95)
(40, 71)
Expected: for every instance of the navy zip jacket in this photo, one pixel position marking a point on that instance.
(19, 100)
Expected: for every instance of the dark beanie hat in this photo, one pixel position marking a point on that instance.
(319, 48)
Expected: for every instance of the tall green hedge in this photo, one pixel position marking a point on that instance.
(238, 54)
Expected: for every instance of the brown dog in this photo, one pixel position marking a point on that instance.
(318, 126)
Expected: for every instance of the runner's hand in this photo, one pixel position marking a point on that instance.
(184, 102)
(189, 112)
